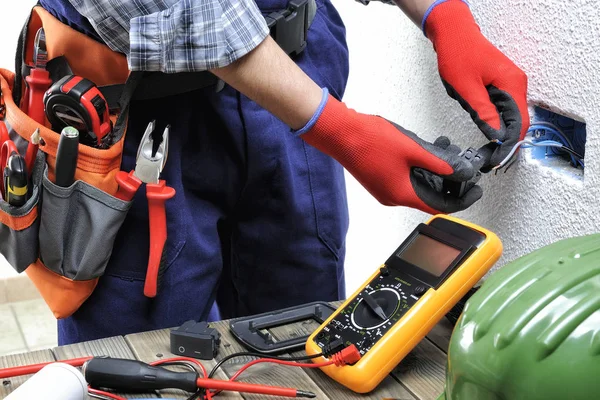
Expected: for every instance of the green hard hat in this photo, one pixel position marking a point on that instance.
(532, 331)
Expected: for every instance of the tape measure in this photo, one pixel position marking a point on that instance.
(77, 102)
(405, 298)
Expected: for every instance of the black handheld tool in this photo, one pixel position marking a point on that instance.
(480, 159)
(66, 156)
(16, 189)
(132, 375)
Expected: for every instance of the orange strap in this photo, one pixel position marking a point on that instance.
(19, 223)
(87, 57)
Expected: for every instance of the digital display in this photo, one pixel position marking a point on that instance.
(429, 254)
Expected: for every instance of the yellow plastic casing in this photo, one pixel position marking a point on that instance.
(384, 356)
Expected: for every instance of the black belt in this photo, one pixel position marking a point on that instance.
(288, 27)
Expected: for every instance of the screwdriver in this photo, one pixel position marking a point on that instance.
(132, 375)
(16, 190)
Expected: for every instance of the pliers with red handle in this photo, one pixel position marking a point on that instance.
(148, 166)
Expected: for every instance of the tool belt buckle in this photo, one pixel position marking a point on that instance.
(290, 26)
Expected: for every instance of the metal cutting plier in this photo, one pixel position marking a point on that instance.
(148, 167)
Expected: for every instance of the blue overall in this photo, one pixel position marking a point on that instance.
(259, 219)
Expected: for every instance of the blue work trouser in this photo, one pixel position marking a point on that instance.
(259, 219)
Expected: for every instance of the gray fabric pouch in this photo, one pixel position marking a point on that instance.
(20, 246)
(78, 226)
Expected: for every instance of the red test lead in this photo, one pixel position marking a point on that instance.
(34, 368)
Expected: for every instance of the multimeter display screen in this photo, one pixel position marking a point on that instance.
(429, 254)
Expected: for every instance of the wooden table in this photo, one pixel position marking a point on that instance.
(418, 376)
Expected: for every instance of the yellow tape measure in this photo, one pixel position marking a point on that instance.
(405, 298)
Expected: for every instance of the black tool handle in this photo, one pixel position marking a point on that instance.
(133, 375)
(66, 156)
(16, 189)
(480, 159)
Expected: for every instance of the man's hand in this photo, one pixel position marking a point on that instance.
(393, 164)
(475, 73)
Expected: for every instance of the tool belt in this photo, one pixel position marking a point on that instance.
(62, 237)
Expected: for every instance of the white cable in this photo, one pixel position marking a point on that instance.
(547, 143)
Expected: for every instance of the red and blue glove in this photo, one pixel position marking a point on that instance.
(479, 76)
(393, 164)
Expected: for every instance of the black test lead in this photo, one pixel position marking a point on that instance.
(66, 156)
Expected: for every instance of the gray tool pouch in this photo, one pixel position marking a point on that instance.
(78, 226)
(19, 227)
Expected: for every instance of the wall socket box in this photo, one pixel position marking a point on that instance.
(548, 125)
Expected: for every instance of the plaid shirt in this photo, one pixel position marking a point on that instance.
(176, 35)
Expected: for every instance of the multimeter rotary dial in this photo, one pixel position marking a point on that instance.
(371, 313)
(374, 308)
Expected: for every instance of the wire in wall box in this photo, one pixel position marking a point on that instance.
(195, 339)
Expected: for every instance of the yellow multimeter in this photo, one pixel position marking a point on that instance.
(405, 298)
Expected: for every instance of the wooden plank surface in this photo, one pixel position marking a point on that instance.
(155, 345)
(388, 388)
(423, 371)
(419, 376)
(265, 373)
(440, 334)
(115, 347)
(17, 360)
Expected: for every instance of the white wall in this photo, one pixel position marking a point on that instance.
(394, 74)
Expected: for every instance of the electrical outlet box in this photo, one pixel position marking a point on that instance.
(548, 125)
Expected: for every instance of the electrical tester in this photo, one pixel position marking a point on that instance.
(405, 298)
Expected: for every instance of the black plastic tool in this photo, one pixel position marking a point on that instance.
(251, 331)
(480, 159)
(133, 375)
(16, 189)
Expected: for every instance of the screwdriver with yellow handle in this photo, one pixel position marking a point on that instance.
(15, 189)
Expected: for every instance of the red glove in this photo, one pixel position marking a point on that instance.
(483, 80)
(393, 164)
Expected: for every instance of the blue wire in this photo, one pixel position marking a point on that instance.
(556, 132)
(565, 141)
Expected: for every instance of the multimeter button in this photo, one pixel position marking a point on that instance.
(419, 290)
(384, 271)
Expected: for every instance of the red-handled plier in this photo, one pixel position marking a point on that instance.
(148, 167)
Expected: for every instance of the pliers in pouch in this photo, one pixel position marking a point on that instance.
(148, 167)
